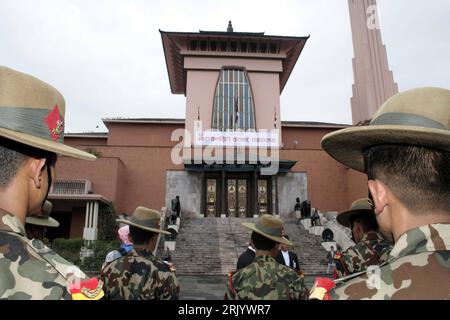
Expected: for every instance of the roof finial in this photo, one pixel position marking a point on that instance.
(230, 27)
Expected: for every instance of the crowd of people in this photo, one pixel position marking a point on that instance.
(401, 231)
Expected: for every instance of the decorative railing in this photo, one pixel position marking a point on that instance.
(71, 187)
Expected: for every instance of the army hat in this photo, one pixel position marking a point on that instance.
(360, 206)
(44, 219)
(146, 219)
(418, 117)
(269, 227)
(32, 113)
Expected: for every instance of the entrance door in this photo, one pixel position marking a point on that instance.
(211, 197)
(262, 197)
(237, 197)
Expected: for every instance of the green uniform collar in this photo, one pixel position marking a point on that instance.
(429, 238)
(10, 223)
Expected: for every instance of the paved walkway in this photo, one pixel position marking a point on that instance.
(204, 287)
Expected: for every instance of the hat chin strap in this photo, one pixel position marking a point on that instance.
(49, 175)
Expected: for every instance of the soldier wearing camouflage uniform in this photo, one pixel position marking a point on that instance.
(140, 275)
(405, 152)
(265, 278)
(370, 248)
(31, 134)
(36, 225)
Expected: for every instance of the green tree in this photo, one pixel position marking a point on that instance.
(107, 227)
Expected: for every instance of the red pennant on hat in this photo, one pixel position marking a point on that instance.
(54, 123)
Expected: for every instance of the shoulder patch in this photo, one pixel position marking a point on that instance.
(90, 289)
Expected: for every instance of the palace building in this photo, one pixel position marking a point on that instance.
(231, 156)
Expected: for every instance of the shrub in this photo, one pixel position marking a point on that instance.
(101, 249)
(107, 223)
(69, 249)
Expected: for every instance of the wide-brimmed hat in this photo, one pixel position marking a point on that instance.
(145, 218)
(360, 206)
(418, 117)
(44, 218)
(32, 113)
(269, 227)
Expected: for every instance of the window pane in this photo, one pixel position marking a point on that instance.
(233, 104)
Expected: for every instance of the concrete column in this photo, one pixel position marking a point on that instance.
(91, 220)
(224, 194)
(95, 219)
(91, 216)
(86, 218)
(203, 194)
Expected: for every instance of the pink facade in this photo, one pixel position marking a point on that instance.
(136, 165)
(135, 158)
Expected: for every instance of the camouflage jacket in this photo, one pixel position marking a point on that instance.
(139, 276)
(25, 274)
(418, 268)
(266, 279)
(371, 250)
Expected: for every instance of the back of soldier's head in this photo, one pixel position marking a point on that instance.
(368, 222)
(140, 236)
(262, 243)
(12, 157)
(419, 177)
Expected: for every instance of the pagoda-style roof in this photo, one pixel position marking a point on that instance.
(178, 45)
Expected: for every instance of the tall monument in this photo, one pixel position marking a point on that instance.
(374, 82)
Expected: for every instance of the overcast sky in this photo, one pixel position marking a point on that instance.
(106, 56)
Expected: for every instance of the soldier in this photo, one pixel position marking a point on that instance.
(370, 249)
(265, 278)
(140, 275)
(36, 225)
(405, 152)
(31, 134)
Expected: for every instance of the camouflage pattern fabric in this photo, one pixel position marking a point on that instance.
(418, 268)
(139, 276)
(24, 273)
(371, 250)
(63, 266)
(266, 279)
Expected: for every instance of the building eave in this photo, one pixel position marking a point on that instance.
(174, 55)
(145, 120)
(90, 135)
(80, 197)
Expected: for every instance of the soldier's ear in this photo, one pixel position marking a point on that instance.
(36, 171)
(379, 192)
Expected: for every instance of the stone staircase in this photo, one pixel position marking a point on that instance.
(211, 246)
(311, 254)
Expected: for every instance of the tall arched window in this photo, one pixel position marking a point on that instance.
(233, 102)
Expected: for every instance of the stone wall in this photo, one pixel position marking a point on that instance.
(291, 186)
(188, 186)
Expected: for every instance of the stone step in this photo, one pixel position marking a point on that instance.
(212, 246)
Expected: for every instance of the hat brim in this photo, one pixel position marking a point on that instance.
(44, 144)
(347, 145)
(142, 227)
(252, 227)
(343, 218)
(50, 222)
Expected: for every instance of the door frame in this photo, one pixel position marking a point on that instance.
(222, 192)
(237, 177)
